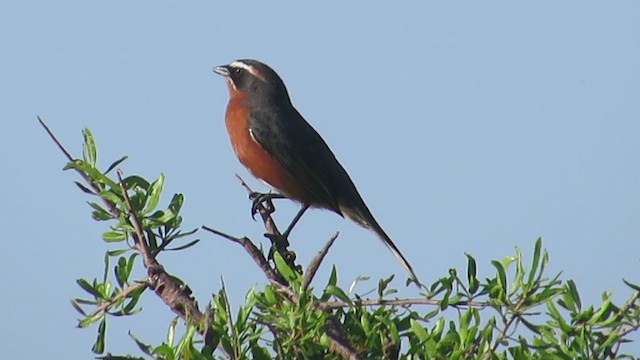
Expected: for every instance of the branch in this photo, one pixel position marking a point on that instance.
(255, 254)
(278, 242)
(176, 295)
(401, 302)
(316, 261)
(96, 190)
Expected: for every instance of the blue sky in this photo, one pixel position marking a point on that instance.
(467, 128)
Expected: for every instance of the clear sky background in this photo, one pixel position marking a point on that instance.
(471, 127)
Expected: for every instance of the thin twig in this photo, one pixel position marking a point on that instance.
(400, 302)
(255, 254)
(112, 208)
(139, 236)
(268, 221)
(138, 285)
(55, 140)
(316, 261)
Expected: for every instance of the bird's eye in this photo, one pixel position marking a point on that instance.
(237, 70)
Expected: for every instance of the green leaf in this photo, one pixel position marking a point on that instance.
(632, 285)
(419, 331)
(338, 293)
(185, 246)
(502, 276)
(83, 188)
(147, 349)
(98, 347)
(536, 261)
(134, 181)
(76, 305)
(154, 194)
(116, 163)
(602, 312)
(91, 172)
(471, 274)
(117, 252)
(575, 296)
(90, 320)
(91, 289)
(333, 278)
(89, 148)
(111, 196)
(171, 333)
(176, 203)
(114, 236)
(99, 213)
(284, 269)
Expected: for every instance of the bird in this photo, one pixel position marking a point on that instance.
(278, 146)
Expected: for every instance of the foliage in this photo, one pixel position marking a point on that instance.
(519, 312)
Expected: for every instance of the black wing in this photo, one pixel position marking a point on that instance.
(300, 150)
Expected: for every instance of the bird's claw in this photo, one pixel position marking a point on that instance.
(263, 199)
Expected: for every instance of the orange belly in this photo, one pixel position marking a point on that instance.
(253, 156)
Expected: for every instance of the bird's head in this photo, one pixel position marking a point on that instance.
(253, 79)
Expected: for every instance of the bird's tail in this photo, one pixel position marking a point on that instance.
(365, 219)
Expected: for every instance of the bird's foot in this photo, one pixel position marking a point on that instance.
(263, 199)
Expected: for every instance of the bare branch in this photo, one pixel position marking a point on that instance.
(255, 254)
(316, 261)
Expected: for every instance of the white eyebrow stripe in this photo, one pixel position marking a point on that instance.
(240, 64)
(249, 68)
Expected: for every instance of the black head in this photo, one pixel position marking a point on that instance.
(252, 78)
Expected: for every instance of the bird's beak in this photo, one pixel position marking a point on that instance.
(222, 70)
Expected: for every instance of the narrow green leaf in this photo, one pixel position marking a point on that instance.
(602, 311)
(333, 278)
(134, 181)
(84, 189)
(90, 320)
(154, 194)
(99, 213)
(176, 203)
(502, 276)
(76, 305)
(94, 174)
(116, 252)
(98, 347)
(632, 285)
(147, 349)
(89, 148)
(185, 246)
(84, 284)
(536, 261)
(338, 293)
(111, 197)
(575, 296)
(130, 263)
(471, 274)
(419, 331)
(116, 163)
(284, 269)
(171, 333)
(114, 236)
(120, 271)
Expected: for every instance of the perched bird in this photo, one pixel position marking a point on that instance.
(275, 143)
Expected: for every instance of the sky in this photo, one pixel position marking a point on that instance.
(467, 128)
